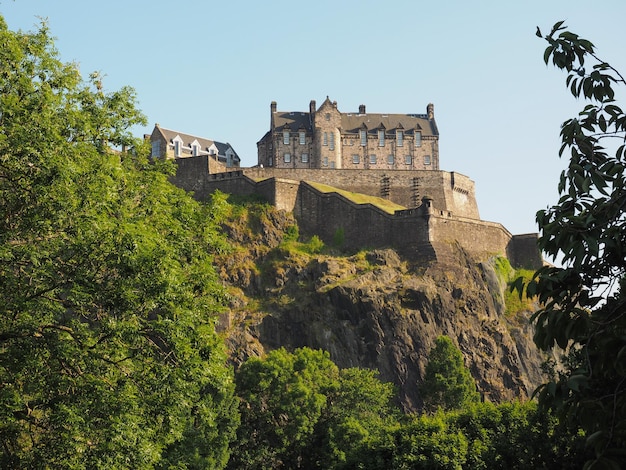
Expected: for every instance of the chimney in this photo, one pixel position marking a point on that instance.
(273, 107)
(312, 107)
(430, 110)
(362, 109)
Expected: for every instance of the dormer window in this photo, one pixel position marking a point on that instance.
(418, 138)
(381, 138)
(195, 148)
(399, 138)
(178, 146)
(286, 137)
(363, 136)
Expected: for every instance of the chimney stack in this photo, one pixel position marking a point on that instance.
(312, 107)
(362, 109)
(430, 110)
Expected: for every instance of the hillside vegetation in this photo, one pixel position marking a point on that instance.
(371, 309)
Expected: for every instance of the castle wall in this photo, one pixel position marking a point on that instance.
(330, 215)
(482, 239)
(523, 251)
(451, 191)
(426, 232)
(191, 173)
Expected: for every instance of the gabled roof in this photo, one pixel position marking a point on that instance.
(188, 139)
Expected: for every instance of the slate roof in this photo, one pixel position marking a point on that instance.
(351, 123)
(188, 139)
(295, 120)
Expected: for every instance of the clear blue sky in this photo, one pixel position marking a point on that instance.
(212, 68)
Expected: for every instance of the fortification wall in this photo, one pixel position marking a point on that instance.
(336, 219)
(425, 232)
(482, 239)
(330, 215)
(451, 191)
(523, 251)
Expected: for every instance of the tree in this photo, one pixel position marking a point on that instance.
(358, 418)
(298, 410)
(108, 352)
(282, 399)
(584, 302)
(447, 382)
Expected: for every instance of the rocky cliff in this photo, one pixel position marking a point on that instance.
(372, 309)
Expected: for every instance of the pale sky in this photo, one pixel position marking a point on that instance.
(212, 69)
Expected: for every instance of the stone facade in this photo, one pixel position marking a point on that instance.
(325, 138)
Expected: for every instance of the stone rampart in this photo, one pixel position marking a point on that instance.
(425, 231)
(452, 191)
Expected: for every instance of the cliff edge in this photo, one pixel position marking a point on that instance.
(372, 309)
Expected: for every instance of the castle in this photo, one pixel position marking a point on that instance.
(390, 156)
(327, 138)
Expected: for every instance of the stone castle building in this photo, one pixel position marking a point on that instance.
(395, 157)
(327, 138)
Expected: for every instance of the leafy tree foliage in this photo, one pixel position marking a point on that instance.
(515, 435)
(108, 352)
(584, 303)
(447, 383)
(299, 411)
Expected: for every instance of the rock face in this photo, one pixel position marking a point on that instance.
(376, 310)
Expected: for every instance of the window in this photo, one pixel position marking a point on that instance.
(195, 150)
(381, 138)
(356, 159)
(156, 149)
(408, 160)
(287, 157)
(426, 159)
(286, 137)
(327, 116)
(399, 138)
(325, 161)
(304, 158)
(332, 164)
(271, 161)
(372, 159)
(363, 135)
(177, 148)
(325, 142)
(418, 138)
(302, 138)
(331, 142)
(390, 159)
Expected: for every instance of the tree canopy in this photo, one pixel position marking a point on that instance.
(108, 352)
(583, 301)
(447, 383)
